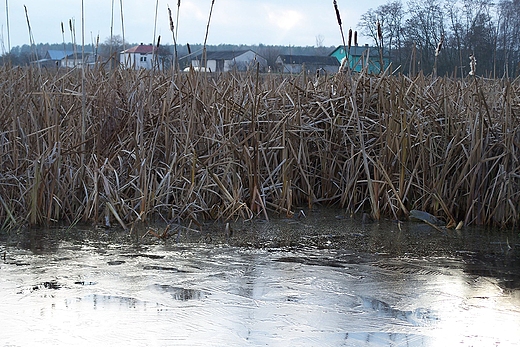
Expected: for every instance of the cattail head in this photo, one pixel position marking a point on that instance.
(158, 41)
(189, 48)
(171, 20)
(379, 32)
(439, 46)
(343, 65)
(472, 65)
(338, 16)
(355, 38)
(70, 24)
(349, 38)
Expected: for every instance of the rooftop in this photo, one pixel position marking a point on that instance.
(143, 49)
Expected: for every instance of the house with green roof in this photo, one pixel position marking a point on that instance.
(360, 57)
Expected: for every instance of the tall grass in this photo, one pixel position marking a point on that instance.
(237, 145)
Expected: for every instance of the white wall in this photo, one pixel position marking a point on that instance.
(210, 64)
(136, 60)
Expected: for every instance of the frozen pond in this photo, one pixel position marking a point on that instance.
(278, 283)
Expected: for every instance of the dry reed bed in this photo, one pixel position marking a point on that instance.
(194, 146)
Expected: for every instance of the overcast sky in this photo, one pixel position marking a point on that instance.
(270, 22)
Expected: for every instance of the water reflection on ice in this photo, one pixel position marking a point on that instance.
(195, 295)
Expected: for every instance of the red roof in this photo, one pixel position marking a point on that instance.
(143, 49)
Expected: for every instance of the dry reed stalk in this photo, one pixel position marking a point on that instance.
(31, 37)
(437, 52)
(174, 35)
(8, 26)
(349, 39)
(122, 24)
(155, 58)
(380, 46)
(204, 56)
(177, 21)
(340, 24)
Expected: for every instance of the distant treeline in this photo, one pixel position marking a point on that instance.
(422, 35)
(23, 55)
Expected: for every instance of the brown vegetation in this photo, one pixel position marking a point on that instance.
(195, 146)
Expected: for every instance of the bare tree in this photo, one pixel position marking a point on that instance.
(111, 48)
(367, 25)
(480, 32)
(390, 17)
(508, 32)
(320, 49)
(270, 53)
(455, 37)
(423, 29)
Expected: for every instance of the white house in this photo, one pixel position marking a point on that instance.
(138, 57)
(221, 61)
